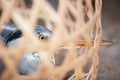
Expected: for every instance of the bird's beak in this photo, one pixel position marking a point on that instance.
(84, 43)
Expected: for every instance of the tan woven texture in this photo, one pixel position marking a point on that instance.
(73, 20)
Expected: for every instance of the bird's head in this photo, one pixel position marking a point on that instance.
(11, 35)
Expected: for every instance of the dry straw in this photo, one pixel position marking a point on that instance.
(72, 21)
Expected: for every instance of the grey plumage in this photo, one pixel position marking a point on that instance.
(29, 63)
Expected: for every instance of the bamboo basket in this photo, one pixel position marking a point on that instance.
(70, 21)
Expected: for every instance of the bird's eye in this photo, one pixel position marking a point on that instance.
(42, 37)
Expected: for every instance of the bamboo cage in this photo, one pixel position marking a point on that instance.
(70, 21)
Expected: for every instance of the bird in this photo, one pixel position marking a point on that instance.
(30, 62)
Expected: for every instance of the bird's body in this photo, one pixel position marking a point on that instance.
(31, 61)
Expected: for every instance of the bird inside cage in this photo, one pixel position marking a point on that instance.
(30, 62)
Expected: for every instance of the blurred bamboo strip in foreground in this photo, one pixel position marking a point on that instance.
(84, 43)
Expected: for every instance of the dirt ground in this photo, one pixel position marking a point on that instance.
(110, 56)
